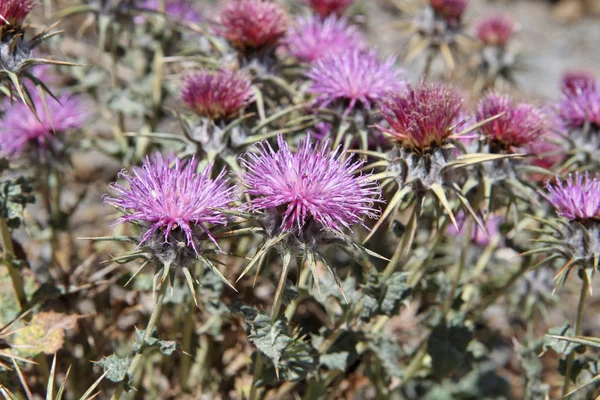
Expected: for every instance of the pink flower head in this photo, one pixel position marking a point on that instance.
(575, 82)
(252, 24)
(181, 9)
(575, 198)
(353, 77)
(315, 183)
(495, 30)
(21, 128)
(168, 194)
(14, 12)
(423, 117)
(217, 95)
(518, 126)
(580, 109)
(450, 10)
(326, 8)
(312, 39)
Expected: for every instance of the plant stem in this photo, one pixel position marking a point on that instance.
(186, 346)
(577, 332)
(154, 317)
(461, 267)
(302, 282)
(9, 253)
(255, 392)
(415, 364)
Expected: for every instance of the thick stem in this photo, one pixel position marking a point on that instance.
(9, 253)
(577, 332)
(154, 317)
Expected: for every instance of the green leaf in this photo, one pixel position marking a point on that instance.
(553, 340)
(384, 297)
(388, 352)
(340, 354)
(166, 347)
(447, 346)
(115, 367)
(270, 337)
(298, 360)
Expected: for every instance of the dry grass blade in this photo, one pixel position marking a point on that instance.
(22, 380)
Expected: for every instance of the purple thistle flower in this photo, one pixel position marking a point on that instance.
(518, 126)
(575, 198)
(312, 39)
(169, 197)
(495, 30)
(217, 95)
(575, 82)
(580, 109)
(314, 183)
(252, 24)
(181, 9)
(423, 117)
(14, 12)
(21, 128)
(450, 10)
(352, 77)
(326, 8)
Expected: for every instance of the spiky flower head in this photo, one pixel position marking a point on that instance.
(575, 198)
(168, 195)
(422, 117)
(184, 10)
(353, 77)
(575, 82)
(326, 8)
(518, 124)
(23, 130)
(252, 24)
(495, 30)
(217, 94)
(14, 12)
(577, 111)
(312, 39)
(450, 10)
(314, 184)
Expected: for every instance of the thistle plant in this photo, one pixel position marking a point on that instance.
(326, 8)
(176, 208)
(519, 130)
(311, 39)
(579, 112)
(253, 28)
(217, 98)
(16, 52)
(422, 123)
(42, 136)
(305, 201)
(437, 30)
(271, 138)
(497, 61)
(576, 238)
(350, 84)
